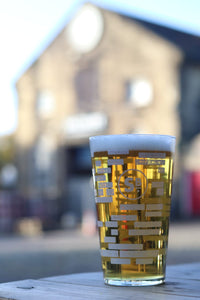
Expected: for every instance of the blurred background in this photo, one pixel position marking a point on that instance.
(73, 69)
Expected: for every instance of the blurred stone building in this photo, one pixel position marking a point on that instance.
(104, 73)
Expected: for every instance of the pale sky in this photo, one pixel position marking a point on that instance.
(26, 27)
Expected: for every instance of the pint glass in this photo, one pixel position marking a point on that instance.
(133, 185)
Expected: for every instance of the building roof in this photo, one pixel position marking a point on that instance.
(172, 14)
(188, 43)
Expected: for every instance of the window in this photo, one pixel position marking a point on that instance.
(44, 162)
(79, 160)
(45, 104)
(86, 86)
(139, 92)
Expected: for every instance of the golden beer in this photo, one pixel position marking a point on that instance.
(133, 184)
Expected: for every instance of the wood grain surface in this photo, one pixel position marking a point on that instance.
(182, 282)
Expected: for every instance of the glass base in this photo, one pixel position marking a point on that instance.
(134, 282)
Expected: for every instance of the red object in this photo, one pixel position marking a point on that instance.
(195, 190)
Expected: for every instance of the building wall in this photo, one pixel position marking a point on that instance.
(139, 53)
(102, 75)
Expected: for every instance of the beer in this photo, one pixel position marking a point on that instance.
(133, 184)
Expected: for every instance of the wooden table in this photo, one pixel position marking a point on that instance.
(182, 282)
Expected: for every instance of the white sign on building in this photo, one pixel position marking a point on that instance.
(85, 124)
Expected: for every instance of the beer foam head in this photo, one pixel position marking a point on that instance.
(122, 143)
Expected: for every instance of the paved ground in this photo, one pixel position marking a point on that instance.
(64, 252)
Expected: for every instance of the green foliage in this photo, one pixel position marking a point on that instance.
(7, 150)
